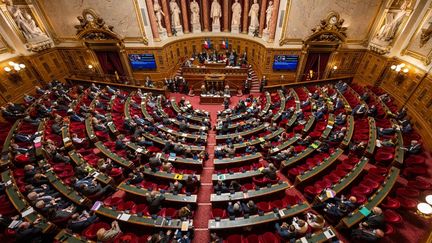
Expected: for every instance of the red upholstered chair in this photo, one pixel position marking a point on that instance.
(351, 160)
(389, 230)
(128, 237)
(420, 184)
(332, 177)
(277, 204)
(268, 237)
(219, 212)
(370, 183)
(139, 208)
(235, 238)
(90, 232)
(252, 238)
(248, 186)
(392, 217)
(407, 203)
(376, 178)
(169, 212)
(383, 157)
(378, 170)
(361, 190)
(414, 171)
(311, 191)
(263, 206)
(123, 206)
(390, 203)
(407, 192)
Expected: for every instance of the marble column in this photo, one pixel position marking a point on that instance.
(226, 9)
(167, 17)
(206, 18)
(153, 22)
(184, 9)
(262, 17)
(275, 16)
(245, 16)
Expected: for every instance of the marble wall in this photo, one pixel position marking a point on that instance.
(359, 16)
(62, 15)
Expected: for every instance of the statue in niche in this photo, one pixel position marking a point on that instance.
(254, 15)
(195, 9)
(25, 22)
(236, 14)
(175, 13)
(216, 12)
(426, 34)
(392, 22)
(159, 13)
(269, 16)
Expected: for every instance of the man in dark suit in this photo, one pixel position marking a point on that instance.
(154, 202)
(367, 235)
(375, 220)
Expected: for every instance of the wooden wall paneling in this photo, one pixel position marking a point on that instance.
(371, 68)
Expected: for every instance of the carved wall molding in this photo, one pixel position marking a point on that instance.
(330, 29)
(93, 27)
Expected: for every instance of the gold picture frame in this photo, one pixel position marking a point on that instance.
(4, 46)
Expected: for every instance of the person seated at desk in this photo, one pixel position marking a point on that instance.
(332, 205)
(234, 209)
(234, 186)
(191, 184)
(319, 114)
(120, 143)
(386, 143)
(15, 108)
(373, 111)
(251, 149)
(316, 222)
(78, 222)
(357, 148)
(338, 104)
(385, 98)
(301, 227)
(323, 148)
(401, 114)
(341, 86)
(230, 151)
(104, 235)
(94, 189)
(155, 162)
(130, 125)
(286, 231)
(28, 232)
(16, 149)
(375, 220)
(415, 147)
(337, 135)
(166, 167)
(340, 119)
(183, 126)
(77, 140)
(387, 131)
(220, 187)
(305, 141)
(285, 115)
(175, 187)
(365, 97)
(367, 235)
(406, 128)
(136, 177)
(270, 172)
(359, 110)
(105, 165)
(185, 212)
(249, 208)
(154, 201)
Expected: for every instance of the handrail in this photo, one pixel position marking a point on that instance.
(314, 82)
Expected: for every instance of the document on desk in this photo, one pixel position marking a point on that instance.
(185, 225)
(96, 206)
(124, 217)
(27, 212)
(329, 234)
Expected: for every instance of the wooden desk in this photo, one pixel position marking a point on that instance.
(372, 137)
(66, 237)
(309, 124)
(78, 160)
(259, 140)
(348, 108)
(345, 181)
(89, 129)
(139, 191)
(159, 222)
(197, 119)
(6, 145)
(178, 134)
(306, 175)
(267, 105)
(349, 132)
(253, 220)
(162, 142)
(399, 152)
(66, 138)
(355, 217)
(236, 176)
(284, 145)
(211, 100)
(282, 106)
(295, 159)
(115, 157)
(166, 175)
(263, 191)
(329, 127)
(243, 134)
(238, 160)
(320, 237)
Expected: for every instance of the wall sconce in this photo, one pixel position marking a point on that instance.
(401, 70)
(13, 70)
(335, 68)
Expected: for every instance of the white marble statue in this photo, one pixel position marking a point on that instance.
(269, 16)
(175, 13)
(159, 13)
(236, 13)
(254, 16)
(25, 22)
(195, 16)
(215, 12)
(392, 22)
